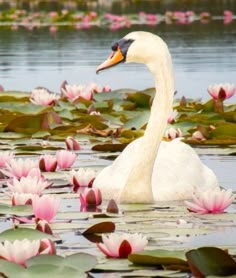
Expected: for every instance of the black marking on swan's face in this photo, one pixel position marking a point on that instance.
(123, 45)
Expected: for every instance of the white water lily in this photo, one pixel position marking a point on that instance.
(222, 91)
(22, 167)
(121, 245)
(213, 200)
(172, 133)
(33, 185)
(81, 177)
(21, 198)
(41, 96)
(19, 251)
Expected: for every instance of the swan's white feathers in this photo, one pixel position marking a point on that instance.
(149, 169)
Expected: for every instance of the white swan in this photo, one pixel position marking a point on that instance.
(149, 169)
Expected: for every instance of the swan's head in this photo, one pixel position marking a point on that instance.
(138, 47)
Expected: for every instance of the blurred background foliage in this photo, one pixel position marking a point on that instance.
(215, 7)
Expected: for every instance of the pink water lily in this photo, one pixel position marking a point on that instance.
(21, 198)
(65, 159)
(72, 144)
(73, 92)
(214, 200)
(121, 245)
(172, 133)
(22, 167)
(33, 185)
(5, 157)
(45, 207)
(172, 116)
(41, 96)
(222, 91)
(81, 178)
(197, 135)
(91, 197)
(19, 251)
(48, 163)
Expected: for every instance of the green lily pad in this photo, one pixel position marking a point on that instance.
(22, 233)
(23, 210)
(159, 257)
(207, 261)
(10, 269)
(82, 262)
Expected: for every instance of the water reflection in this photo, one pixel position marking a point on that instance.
(201, 56)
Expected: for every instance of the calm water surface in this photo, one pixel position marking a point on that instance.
(202, 54)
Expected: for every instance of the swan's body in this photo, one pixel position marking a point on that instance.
(148, 170)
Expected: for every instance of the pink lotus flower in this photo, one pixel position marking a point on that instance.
(45, 207)
(1, 88)
(120, 246)
(221, 91)
(65, 159)
(73, 92)
(41, 96)
(98, 89)
(81, 178)
(91, 197)
(5, 157)
(72, 144)
(19, 251)
(213, 200)
(18, 199)
(48, 163)
(23, 167)
(33, 185)
(173, 133)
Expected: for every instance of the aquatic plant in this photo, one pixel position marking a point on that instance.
(122, 245)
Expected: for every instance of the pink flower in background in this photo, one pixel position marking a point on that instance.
(33, 185)
(48, 163)
(172, 133)
(81, 178)
(5, 157)
(172, 116)
(222, 91)
(22, 167)
(18, 199)
(45, 207)
(1, 88)
(228, 17)
(72, 144)
(41, 96)
(65, 159)
(121, 245)
(197, 135)
(213, 200)
(91, 197)
(19, 251)
(72, 92)
(99, 89)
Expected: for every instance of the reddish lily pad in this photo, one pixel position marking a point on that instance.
(100, 228)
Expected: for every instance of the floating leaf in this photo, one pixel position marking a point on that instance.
(159, 257)
(207, 261)
(22, 233)
(99, 228)
(22, 210)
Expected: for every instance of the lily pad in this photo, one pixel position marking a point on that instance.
(22, 233)
(99, 228)
(23, 210)
(207, 261)
(159, 257)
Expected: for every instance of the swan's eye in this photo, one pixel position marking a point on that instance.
(115, 46)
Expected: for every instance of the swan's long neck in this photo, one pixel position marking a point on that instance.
(138, 188)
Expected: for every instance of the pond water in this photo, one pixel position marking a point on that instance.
(202, 54)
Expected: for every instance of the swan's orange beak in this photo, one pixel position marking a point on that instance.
(115, 58)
